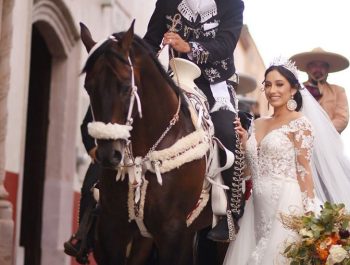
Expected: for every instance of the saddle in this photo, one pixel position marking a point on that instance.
(184, 73)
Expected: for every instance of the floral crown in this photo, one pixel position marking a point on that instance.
(287, 64)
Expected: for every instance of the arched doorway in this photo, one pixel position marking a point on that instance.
(35, 148)
(49, 166)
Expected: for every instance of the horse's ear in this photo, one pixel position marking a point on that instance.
(128, 38)
(86, 37)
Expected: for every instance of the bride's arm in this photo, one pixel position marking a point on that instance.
(303, 144)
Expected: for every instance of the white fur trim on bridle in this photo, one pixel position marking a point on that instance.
(100, 130)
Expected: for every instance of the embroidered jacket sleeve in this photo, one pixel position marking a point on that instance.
(225, 41)
(156, 26)
(303, 144)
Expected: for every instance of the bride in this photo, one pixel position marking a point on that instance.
(279, 152)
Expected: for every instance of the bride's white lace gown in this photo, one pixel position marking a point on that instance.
(278, 166)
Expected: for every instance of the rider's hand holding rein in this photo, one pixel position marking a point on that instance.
(242, 133)
(176, 42)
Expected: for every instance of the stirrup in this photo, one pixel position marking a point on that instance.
(220, 233)
(75, 250)
(83, 259)
(71, 248)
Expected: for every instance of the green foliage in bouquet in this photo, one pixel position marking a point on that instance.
(322, 239)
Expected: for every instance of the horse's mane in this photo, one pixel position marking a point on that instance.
(143, 45)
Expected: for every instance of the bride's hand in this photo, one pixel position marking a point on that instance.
(242, 133)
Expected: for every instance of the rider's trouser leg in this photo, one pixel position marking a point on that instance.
(86, 195)
(232, 177)
(225, 131)
(82, 240)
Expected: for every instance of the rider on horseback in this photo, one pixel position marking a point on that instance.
(206, 32)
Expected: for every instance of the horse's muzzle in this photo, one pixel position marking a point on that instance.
(109, 154)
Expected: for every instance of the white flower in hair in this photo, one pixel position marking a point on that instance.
(287, 64)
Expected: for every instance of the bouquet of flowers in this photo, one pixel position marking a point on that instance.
(322, 240)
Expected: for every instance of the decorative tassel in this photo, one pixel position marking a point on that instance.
(119, 174)
(157, 171)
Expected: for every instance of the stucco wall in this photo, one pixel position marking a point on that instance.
(102, 17)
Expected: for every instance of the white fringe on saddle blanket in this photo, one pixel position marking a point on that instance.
(196, 145)
(189, 148)
(136, 211)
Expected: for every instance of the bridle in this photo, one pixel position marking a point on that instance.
(114, 131)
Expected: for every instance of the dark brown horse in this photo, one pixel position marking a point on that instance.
(114, 69)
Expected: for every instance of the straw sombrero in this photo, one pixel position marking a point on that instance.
(246, 83)
(335, 61)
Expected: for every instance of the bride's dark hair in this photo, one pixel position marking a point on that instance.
(293, 81)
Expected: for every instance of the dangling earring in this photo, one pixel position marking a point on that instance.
(291, 104)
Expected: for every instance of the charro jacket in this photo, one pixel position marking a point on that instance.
(212, 34)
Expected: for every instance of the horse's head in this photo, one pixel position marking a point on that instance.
(110, 82)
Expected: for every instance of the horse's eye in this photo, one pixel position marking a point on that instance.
(125, 88)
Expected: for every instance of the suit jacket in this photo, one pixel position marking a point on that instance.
(212, 36)
(335, 103)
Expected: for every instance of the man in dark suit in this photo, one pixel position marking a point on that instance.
(80, 243)
(206, 32)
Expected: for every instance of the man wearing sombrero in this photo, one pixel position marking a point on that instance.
(318, 64)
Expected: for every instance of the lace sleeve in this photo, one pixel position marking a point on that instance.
(303, 144)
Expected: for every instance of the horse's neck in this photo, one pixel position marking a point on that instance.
(159, 105)
(160, 99)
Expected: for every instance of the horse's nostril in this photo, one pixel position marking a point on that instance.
(117, 155)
